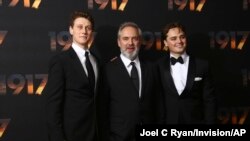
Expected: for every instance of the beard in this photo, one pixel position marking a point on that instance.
(131, 55)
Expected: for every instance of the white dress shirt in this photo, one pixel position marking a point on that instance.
(179, 73)
(81, 55)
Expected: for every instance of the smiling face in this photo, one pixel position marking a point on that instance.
(81, 31)
(176, 41)
(129, 42)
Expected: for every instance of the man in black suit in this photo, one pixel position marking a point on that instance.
(186, 82)
(72, 86)
(129, 96)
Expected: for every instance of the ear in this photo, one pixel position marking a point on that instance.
(70, 30)
(118, 42)
(165, 43)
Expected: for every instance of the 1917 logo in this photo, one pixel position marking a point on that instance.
(3, 125)
(103, 4)
(193, 5)
(2, 36)
(26, 3)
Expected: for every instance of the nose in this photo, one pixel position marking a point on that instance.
(84, 30)
(179, 40)
(130, 41)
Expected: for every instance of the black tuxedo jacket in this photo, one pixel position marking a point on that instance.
(70, 105)
(121, 107)
(197, 103)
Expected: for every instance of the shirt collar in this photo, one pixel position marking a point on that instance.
(184, 56)
(127, 61)
(79, 49)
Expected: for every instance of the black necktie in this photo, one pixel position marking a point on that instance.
(174, 61)
(134, 76)
(91, 74)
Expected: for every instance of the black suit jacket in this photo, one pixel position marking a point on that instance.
(121, 107)
(197, 103)
(70, 105)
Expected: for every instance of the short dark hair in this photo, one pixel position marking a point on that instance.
(170, 26)
(76, 14)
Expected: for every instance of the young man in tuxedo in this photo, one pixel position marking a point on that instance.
(72, 86)
(189, 93)
(130, 96)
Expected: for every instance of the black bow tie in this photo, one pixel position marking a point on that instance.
(174, 61)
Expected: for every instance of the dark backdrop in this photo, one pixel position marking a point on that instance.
(31, 31)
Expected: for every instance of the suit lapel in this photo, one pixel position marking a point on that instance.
(144, 73)
(190, 76)
(168, 76)
(124, 73)
(97, 66)
(77, 63)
